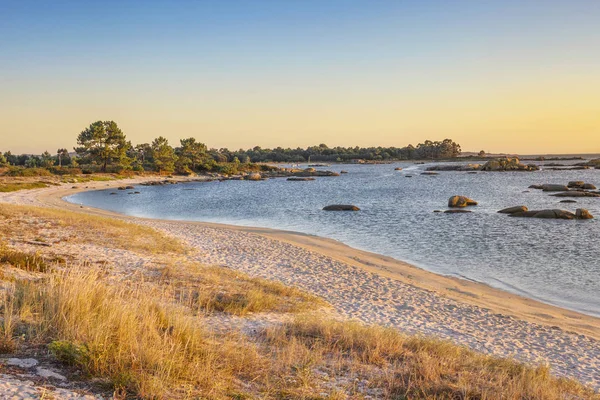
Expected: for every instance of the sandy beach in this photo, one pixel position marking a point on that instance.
(379, 290)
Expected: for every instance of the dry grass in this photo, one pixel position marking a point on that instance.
(28, 222)
(409, 367)
(13, 187)
(207, 290)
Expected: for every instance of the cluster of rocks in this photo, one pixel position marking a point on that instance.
(524, 212)
(460, 201)
(159, 183)
(495, 164)
(280, 173)
(572, 189)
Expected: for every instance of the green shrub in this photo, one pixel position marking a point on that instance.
(69, 353)
(22, 171)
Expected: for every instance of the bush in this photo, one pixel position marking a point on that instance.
(22, 171)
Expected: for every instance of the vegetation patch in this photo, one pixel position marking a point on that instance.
(13, 187)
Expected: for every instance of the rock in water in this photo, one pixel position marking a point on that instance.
(507, 164)
(397, 169)
(298, 179)
(254, 177)
(588, 186)
(547, 214)
(460, 201)
(576, 193)
(341, 207)
(512, 210)
(555, 188)
(536, 187)
(582, 213)
(456, 211)
(576, 184)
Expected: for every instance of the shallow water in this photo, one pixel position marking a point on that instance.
(555, 261)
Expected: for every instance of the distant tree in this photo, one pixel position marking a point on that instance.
(481, 153)
(47, 160)
(61, 154)
(163, 155)
(3, 160)
(104, 143)
(191, 154)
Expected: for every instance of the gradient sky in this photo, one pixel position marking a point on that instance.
(504, 76)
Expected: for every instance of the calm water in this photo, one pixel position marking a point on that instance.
(554, 261)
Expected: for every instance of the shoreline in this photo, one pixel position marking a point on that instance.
(464, 290)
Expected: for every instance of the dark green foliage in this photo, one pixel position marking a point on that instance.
(103, 143)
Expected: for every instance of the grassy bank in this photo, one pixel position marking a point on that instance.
(158, 325)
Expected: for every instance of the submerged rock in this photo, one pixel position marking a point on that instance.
(554, 188)
(300, 179)
(341, 207)
(456, 211)
(576, 193)
(454, 167)
(431, 173)
(512, 210)
(567, 201)
(581, 213)
(461, 201)
(540, 187)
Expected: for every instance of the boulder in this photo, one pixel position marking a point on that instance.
(588, 186)
(582, 213)
(568, 201)
(429, 173)
(397, 169)
(536, 187)
(343, 172)
(460, 201)
(122, 188)
(310, 170)
(554, 188)
(408, 176)
(341, 207)
(254, 177)
(512, 210)
(547, 214)
(576, 184)
(507, 164)
(129, 187)
(456, 211)
(576, 193)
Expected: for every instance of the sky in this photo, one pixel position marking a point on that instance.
(502, 76)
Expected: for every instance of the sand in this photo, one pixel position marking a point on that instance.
(377, 289)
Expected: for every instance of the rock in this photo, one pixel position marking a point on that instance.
(310, 170)
(582, 213)
(46, 373)
(429, 173)
(113, 193)
(129, 187)
(507, 164)
(471, 172)
(576, 193)
(576, 184)
(73, 187)
(254, 177)
(136, 192)
(343, 172)
(548, 214)
(408, 176)
(460, 201)
(437, 211)
(512, 210)
(456, 211)
(554, 188)
(341, 207)
(22, 362)
(397, 169)
(567, 201)
(300, 179)
(588, 186)
(536, 187)
(122, 188)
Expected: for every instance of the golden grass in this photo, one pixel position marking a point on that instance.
(207, 290)
(410, 367)
(25, 221)
(13, 187)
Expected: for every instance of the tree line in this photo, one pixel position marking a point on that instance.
(103, 147)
